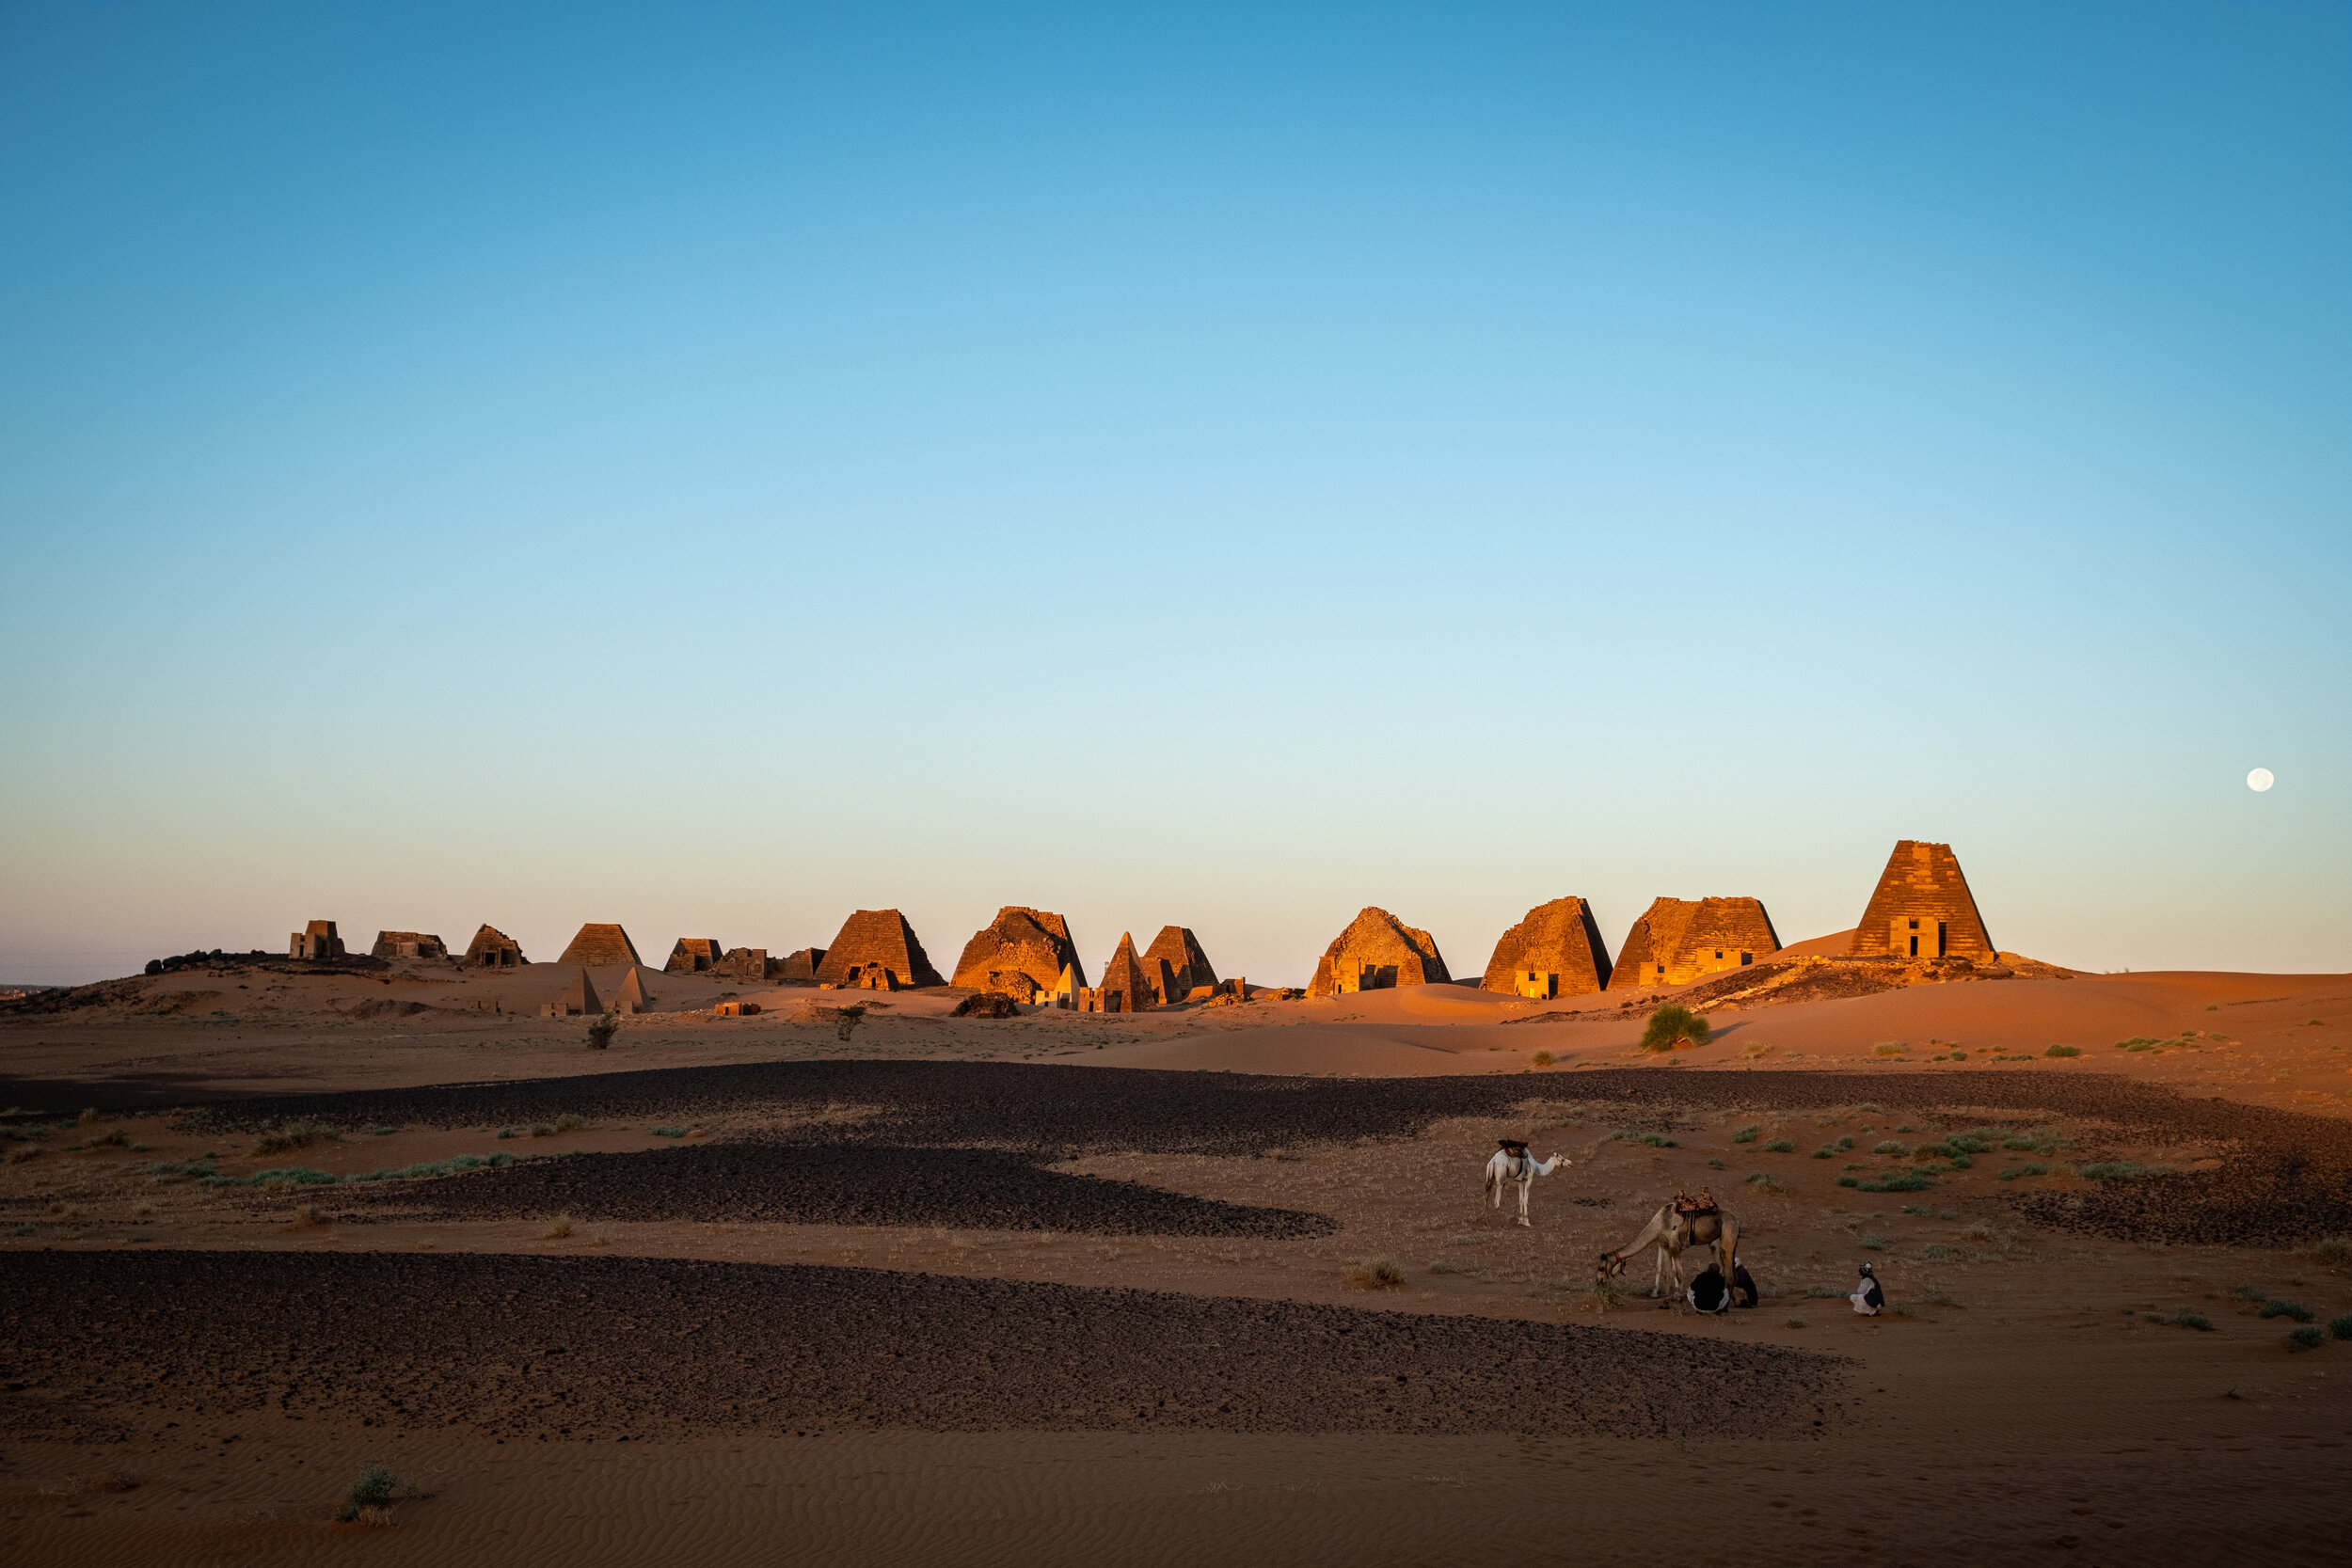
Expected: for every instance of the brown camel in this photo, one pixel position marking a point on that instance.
(1671, 1229)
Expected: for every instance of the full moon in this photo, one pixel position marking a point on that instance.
(2259, 780)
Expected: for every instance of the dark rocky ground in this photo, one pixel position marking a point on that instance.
(2286, 1178)
(100, 1345)
(793, 1185)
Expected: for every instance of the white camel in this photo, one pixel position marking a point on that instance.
(1513, 1163)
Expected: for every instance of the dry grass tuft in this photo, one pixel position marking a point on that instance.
(292, 1135)
(23, 1152)
(2334, 1251)
(307, 1217)
(558, 1228)
(1379, 1271)
(568, 1122)
(90, 1115)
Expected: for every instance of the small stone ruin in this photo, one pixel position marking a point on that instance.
(408, 944)
(315, 943)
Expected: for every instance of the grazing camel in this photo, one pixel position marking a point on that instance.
(1672, 1230)
(1511, 1161)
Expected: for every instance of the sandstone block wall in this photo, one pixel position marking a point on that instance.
(1022, 953)
(876, 942)
(1559, 940)
(1375, 952)
(1176, 963)
(802, 965)
(1922, 908)
(492, 948)
(315, 940)
(408, 944)
(694, 956)
(1681, 940)
(748, 965)
(600, 944)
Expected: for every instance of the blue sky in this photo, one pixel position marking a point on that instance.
(716, 468)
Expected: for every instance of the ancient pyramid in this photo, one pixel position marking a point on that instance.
(492, 948)
(634, 997)
(1127, 986)
(580, 995)
(1557, 951)
(1175, 953)
(874, 944)
(600, 944)
(1681, 940)
(694, 956)
(1019, 954)
(1922, 909)
(1375, 952)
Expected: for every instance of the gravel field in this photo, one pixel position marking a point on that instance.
(104, 1345)
(783, 1183)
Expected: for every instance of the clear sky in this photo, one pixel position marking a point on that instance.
(715, 468)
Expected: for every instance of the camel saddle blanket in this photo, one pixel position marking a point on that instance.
(1700, 1202)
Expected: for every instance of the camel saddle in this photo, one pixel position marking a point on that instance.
(1512, 1145)
(1700, 1202)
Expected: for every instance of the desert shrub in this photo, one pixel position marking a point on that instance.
(667, 1131)
(27, 1229)
(1827, 1151)
(1717, 1164)
(2250, 1292)
(1543, 1059)
(1763, 1181)
(1891, 1146)
(1938, 1298)
(2274, 1308)
(1378, 1272)
(601, 1032)
(2121, 1170)
(1796, 1322)
(569, 1122)
(288, 1176)
(1673, 1027)
(1652, 1140)
(1605, 1292)
(2186, 1318)
(846, 1020)
(508, 1133)
(1889, 1048)
(1780, 1146)
(1899, 1182)
(292, 1135)
(1824, 1292)
(558, 1228)
(376, 1487)
(1747, 1134)
(90, 1115)
(1868, 1242)
(1442, 1265)
(1850, 1181)
(307, 1217)
(1941, 1252)
(2333, 1251)
(542, 1129)
(2341, 1327)
(2063, 1050)
(2306, 1338)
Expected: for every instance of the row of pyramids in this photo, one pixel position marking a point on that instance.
(1920, 908)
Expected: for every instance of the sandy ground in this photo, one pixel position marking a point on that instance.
(2038, 1399)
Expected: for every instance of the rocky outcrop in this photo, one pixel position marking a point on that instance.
(1922, 909)
(1376, 952)
(1681, 940)
(1557, 951)
(1019, 954)
(876, 946)
(600, 944)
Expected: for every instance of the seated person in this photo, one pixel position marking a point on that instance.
(1744, 1291)
(1710, 1293)
(1868, 1298)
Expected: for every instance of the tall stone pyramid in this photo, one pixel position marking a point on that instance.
(1127, 986)
(1021, 953)
(1376, 952)
(600, 944)
(873, 943)
(1922, 909)
(1557, 951)
(1176, 955)
(1681, 940)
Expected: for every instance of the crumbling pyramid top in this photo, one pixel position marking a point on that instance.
(876, 937)
(1558, 938)
(600, 944)
(1021, 942)
(1379, 949)
(1677, 939)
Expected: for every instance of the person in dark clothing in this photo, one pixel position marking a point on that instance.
(1744, 1291)
(1710, 1293)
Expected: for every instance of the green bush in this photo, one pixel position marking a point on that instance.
(1745, 1134)
(2186, 1318)
(2276, 1308)
(2063, 1050)
(2306, 1338)
(1850, 1181)
(1780, 1146)
(1672, 1028)
(1899, 1182)
(1891, 1146)
(2121, 1170)
(2341, 1327)
(667, 1131)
